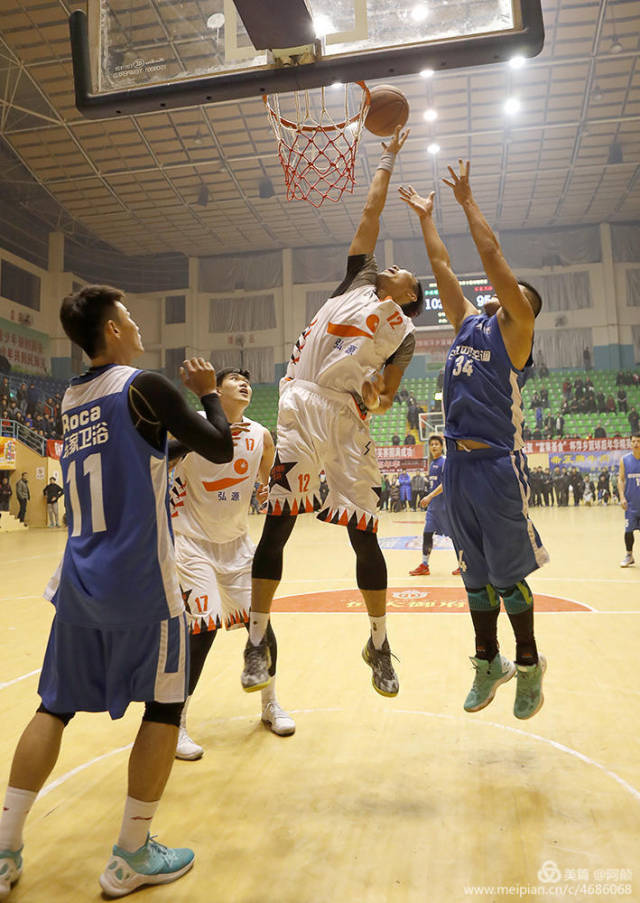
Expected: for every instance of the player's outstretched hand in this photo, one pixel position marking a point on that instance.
(237, 429)
(422, 206)
(262, 494)
(424, 502)
(460, 183)
(396, 141)
(371, 390)
(199, 376)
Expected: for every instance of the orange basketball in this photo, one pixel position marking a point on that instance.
(389, 108)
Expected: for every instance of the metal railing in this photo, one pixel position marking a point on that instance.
(14, 430)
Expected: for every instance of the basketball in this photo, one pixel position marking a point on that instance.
(389, 108)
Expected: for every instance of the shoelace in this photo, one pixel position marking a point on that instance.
(160, 848)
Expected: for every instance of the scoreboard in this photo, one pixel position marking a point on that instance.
(475, 289)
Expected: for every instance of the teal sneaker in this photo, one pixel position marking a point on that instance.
(10, 870)
(151, 864)
(529, 695)
(489, 676)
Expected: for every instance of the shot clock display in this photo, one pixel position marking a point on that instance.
(475, 289)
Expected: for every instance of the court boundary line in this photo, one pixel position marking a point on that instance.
(16, 680)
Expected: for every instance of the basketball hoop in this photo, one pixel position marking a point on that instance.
(317, 154)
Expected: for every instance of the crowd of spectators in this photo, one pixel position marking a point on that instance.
(29, 406)
(557, 486)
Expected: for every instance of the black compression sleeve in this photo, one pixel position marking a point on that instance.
(156, 406)
(355, 262)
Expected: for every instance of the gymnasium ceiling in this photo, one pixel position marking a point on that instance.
(570, 156)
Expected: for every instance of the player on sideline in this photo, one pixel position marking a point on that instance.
(331, 385)
(119, 633)
(210, 519)
(436, 520)
(486, 484)
(629, 490)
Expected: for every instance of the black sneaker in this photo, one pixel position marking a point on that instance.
(257, 661)
(384, 678)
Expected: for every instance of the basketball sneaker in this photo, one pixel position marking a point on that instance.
(489, 676)
(421, 571)
(186, 748)
(627, 561)
(153, 863)
(10, 870)
(456, 573)
(383, 677)
(280, 722)
(257, 661)
(529, 695)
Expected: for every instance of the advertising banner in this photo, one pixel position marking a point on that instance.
(25, 349)
(54, 448)
(7, 453)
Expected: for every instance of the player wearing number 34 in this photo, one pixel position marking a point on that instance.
(486, 479)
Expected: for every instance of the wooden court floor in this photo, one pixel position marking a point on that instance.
(373, 800)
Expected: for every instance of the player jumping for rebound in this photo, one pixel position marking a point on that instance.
(629, 489)
(210, 519)
(333, 381)
(486, 482)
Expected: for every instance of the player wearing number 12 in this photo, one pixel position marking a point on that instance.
(119, 634)
(486, 480)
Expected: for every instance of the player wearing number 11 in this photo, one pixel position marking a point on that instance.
(486, 480)
(119, 634)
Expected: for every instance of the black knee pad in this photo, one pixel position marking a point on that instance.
(163, 712)
(65, 717)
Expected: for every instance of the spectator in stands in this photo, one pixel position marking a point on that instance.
(440, 380)
(559, 425)
(620, 378)
(33, 397)
(577, 483)
(604, 488)
(21, 397)
(412, 414)
(23, 495)
(586, 359)
(611, 404)
(526, 433)
(566, 406)
(600, 432)
(578, 388)
(5, 493)
(541, 367)
(395, 440)
(544, 397)
(592, 405)
(409, 439)
(549, 424)
(52, 492)
(417, 489)
(535, 401)
(622, 401)
(539, 417)
(537, 433)
(634, 420)
(601, 403)
(566, 389)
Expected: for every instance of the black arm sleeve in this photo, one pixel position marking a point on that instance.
(356, 263)
(157, 407)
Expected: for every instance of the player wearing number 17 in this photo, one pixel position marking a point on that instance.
(119, 634)
(486, 480)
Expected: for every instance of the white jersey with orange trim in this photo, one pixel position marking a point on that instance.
(210, 502)
(349, 339)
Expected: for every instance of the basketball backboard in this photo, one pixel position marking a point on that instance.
(142, 55)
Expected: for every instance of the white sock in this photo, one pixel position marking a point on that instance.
(136, 823)
(17, 804)
(183, 716)
(269, 693)
(258, 623)
(378, 630)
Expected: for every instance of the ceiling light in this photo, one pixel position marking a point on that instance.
(511, 106)
(597, 92)
(335, 85)
(419, 13)
(203, 196)
(215, 21)
(430, 115)
(323, 26)
(616, 46)
(433, 149)
(517, 62)
(426, 73)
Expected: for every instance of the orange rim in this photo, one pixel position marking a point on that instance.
(319, 128)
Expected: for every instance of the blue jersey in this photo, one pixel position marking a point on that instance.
(118, 567)
(632, 482)
(482, 397)
(436, 469)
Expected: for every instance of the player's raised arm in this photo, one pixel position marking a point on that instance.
(455, 305)
(512, 300)
(364, 241)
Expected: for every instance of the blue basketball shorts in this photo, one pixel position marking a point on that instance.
(631, 520)
(91, 670)
(487, 500)
(437, 520)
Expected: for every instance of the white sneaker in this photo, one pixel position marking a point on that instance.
(10, 870)
(280, 722)
(627, 561)
(186, 748)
